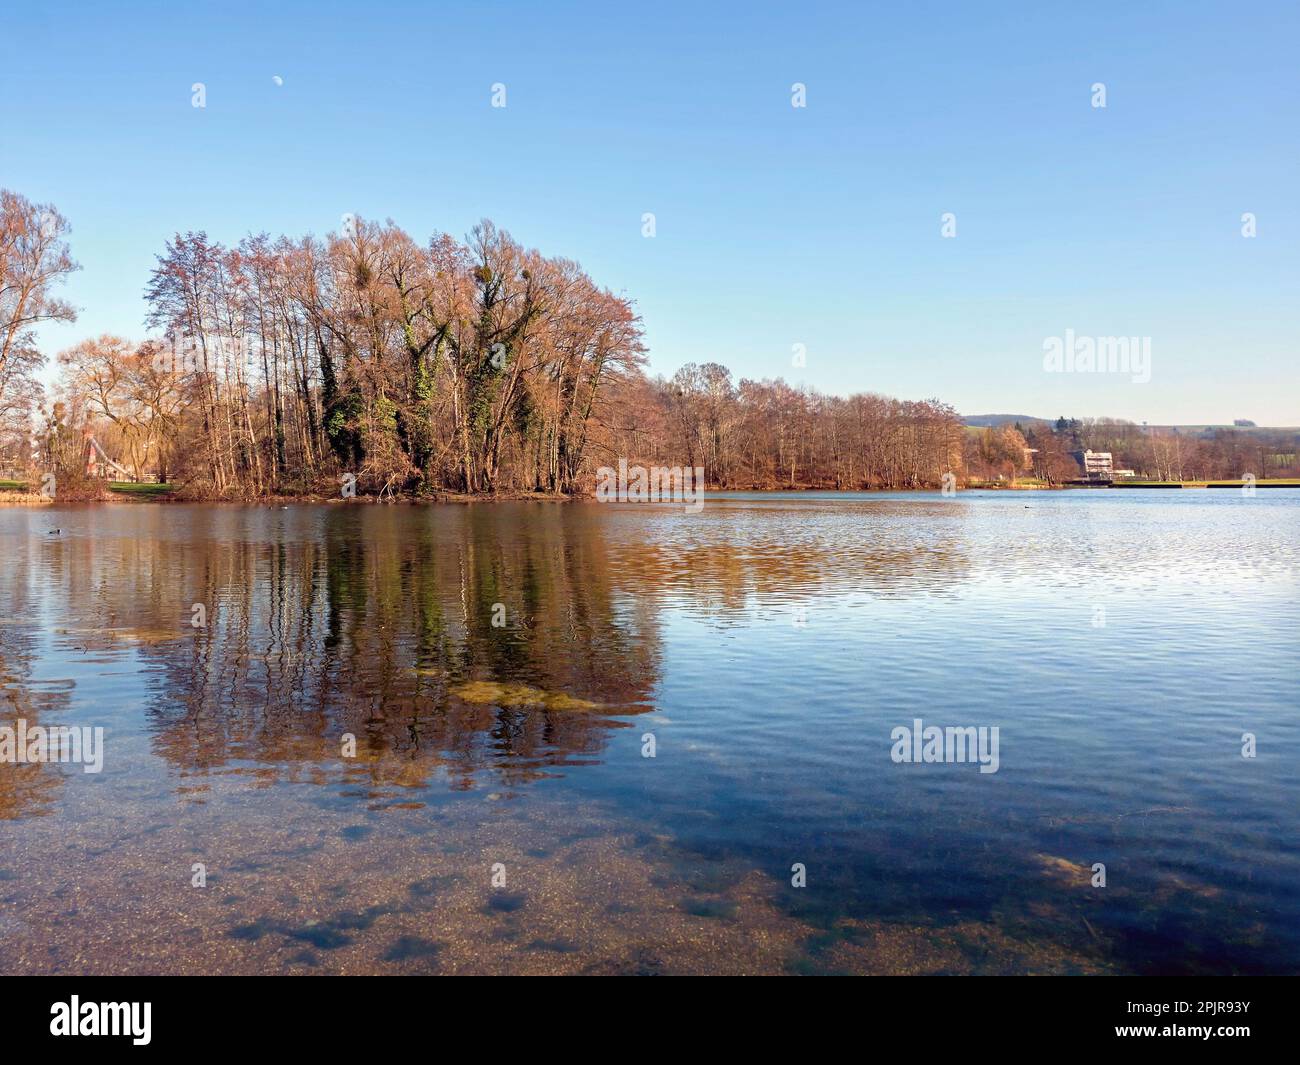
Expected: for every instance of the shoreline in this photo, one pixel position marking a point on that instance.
(13, 498)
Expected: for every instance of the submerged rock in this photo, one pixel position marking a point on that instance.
(489, 691)
(1064, 871)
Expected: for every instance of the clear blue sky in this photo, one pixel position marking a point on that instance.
(775, 225)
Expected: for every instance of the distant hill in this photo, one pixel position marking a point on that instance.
(990, 421)
(1250, 430)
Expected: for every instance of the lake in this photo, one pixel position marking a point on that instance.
(507, 670)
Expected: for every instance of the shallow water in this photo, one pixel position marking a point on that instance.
(1121, 641)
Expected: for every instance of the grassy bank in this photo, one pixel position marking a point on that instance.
(141, 491)
(13, 491)
(1263, 482)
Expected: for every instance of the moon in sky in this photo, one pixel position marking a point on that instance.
(278, 80)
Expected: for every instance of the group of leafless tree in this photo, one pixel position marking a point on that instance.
(1048, 450)
(1168, 454)
(769, 434)
(280, 366)
(445, 366)
(34, 258)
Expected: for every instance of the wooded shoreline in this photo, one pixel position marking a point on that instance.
(12, 497)
(279, 366)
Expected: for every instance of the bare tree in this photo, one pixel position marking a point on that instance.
(34, 257)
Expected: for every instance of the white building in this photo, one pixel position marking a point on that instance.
(1095, 465)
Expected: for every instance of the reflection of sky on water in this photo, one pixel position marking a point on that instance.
(1119, 743)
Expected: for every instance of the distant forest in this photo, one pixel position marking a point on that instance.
(280, 365)
(1165, 454)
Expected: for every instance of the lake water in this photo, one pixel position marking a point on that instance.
(500, 814)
